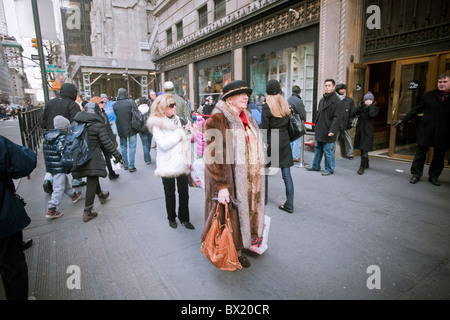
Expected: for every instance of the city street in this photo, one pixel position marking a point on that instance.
(365, 237)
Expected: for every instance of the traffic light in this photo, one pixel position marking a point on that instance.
(55, 85)
(34, 43)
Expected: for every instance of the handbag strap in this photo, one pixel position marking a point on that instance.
(227, 215)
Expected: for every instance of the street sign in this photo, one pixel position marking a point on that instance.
(34, 57)
(54, 68)
(51, 68)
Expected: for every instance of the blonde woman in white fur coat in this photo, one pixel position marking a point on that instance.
(173, 156)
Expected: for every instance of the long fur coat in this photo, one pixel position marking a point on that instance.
(173, 154)
(225, 169)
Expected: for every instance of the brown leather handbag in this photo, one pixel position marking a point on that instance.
(218, 246)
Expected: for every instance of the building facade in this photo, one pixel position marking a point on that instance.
(117, 45)
(205, 44)
(395, 49)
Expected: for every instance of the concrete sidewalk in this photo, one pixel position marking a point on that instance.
(342, 226)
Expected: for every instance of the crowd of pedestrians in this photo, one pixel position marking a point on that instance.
(230, 141)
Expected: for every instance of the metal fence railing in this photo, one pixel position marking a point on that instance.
(31, 131)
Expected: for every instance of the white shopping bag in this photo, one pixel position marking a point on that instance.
(115, 166)
(197, 177)
(259, 245)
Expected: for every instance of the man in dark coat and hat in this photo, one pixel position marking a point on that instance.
(434, 130)
(127, 135)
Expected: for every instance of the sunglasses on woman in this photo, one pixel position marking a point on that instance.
(172, 105)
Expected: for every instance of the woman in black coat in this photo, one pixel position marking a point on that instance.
(96, 167)
(275, 116)
(367, 110)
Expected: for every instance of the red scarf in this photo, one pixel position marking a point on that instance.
(244, 120)
(443, 94)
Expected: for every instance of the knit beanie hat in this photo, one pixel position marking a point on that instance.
(59, 122)
(370, 96)
(273, 87)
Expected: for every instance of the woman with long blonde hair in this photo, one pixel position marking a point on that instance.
(173, 157)
(275, 116)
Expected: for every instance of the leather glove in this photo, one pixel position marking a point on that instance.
(397, 123)
(224, 196)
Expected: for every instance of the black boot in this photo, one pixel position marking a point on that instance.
(362, 166)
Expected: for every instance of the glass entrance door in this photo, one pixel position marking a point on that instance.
(411, 82)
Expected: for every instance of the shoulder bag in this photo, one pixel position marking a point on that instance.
(218, 246)
(296, 127)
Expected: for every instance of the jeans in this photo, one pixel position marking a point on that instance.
(289, 184)
(296, 146)
(61, 186)
(182, 183)
(324, 149)
(123, 149)
(146, 139)
(114, 128)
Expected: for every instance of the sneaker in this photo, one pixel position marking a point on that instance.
(53, 214)
(131, 169)
(76, 196)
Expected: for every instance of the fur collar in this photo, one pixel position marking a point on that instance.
(163, 123)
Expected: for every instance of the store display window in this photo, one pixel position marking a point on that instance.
(211, 81)
(179, 77)
(290, 66)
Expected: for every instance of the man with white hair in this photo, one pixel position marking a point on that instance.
(182, 108)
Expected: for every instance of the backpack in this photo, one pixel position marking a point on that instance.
(77, 150)
(137, 120)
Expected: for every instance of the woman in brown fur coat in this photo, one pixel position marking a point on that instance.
(233, 167)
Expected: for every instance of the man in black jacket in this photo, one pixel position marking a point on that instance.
(15, 162)
(348, 107)
(127, 135)
(63, 105)
(296, 101)
(434, 130)
(327, 122)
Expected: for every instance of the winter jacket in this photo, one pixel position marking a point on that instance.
(198, 136)
(54, 140)
(365, 127)
(348, 108)
(98, 138)
(269, 122)
(173, 155)
(122, 108)
(182, 108)
(15, 162)
(64, 105)
(298, 105)
(328, 117)
(435, 126)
